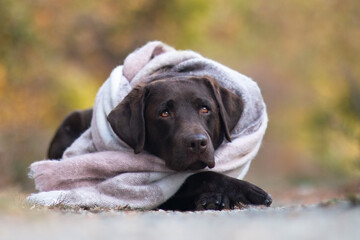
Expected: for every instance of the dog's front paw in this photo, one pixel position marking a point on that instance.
(247, 193)
(212, 201)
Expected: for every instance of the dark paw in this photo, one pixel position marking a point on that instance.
(215, 191)
(248, 193)
(212, 201)
(257, 196)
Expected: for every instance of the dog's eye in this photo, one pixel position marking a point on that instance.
(165, 114)
(205, 109)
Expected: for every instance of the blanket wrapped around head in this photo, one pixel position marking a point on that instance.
(99, 169)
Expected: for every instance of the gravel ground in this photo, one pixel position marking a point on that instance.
(333, 220)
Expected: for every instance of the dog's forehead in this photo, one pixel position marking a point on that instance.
(187, 88)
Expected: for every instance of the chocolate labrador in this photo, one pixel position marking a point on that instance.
(183, 120)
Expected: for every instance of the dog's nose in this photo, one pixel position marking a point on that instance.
(197, 143)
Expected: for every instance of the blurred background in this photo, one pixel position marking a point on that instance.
(305, 56)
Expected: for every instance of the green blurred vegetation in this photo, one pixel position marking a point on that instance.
(305, 55)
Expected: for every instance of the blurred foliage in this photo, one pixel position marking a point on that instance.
(305, 56)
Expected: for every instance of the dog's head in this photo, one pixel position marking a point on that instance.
(180, 119)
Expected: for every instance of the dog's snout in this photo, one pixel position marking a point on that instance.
(197, 143)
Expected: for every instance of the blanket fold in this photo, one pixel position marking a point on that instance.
(99, 169)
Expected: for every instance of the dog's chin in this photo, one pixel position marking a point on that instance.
(197, 166)
(190, 162)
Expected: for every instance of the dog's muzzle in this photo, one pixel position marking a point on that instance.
(198, 146)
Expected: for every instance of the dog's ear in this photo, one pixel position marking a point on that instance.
(230, 106)
(127, 119)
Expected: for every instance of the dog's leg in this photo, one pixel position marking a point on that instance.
(210, 190)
